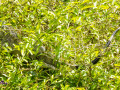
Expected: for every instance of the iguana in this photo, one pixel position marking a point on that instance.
(10, 36)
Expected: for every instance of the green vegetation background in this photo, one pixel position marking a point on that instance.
(73, 31)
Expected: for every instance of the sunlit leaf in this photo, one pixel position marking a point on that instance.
(85, 1)
(86, 7)
(104, 6)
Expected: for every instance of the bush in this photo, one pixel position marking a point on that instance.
(72, 32)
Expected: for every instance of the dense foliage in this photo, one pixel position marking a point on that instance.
(73, 32)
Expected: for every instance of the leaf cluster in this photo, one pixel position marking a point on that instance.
(72, 32)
